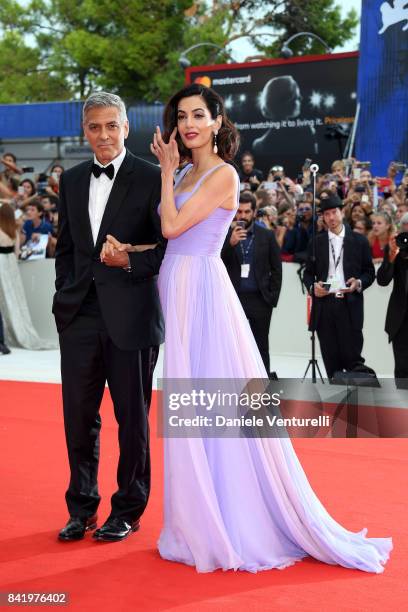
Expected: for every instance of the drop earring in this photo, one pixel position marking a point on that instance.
(215, 148)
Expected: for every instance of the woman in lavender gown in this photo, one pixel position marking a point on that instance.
(236, 503)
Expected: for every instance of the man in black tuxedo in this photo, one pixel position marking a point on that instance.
(395, 267)
(108, 317)
(252, 257)
(344, 269)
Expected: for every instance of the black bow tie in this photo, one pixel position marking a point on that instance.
(108, 170)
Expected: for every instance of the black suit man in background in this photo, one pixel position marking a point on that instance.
(344, 269)
(108, 317)
(252, 257)
(395, 267)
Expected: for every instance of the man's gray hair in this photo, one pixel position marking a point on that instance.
(103, 98)
(404, 219)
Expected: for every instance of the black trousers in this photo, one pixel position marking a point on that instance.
(259, 315)
(89, 359)
(341, 344)
(400, 349)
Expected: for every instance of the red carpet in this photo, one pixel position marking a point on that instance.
(363, 483)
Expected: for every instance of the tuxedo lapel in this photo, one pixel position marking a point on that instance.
(82, 188)
(117, 195)
(348, 250)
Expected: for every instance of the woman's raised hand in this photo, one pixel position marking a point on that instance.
(167, 153)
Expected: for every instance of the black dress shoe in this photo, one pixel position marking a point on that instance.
(4, 349)
(115, 529)
(76, 527)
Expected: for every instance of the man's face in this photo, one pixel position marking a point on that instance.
(245, 213)
(46, 202)
(401, 210)
(247, 164)
(333, 218)
(105, 132)
(33, 214)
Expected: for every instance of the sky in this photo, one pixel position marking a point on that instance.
(242, 48)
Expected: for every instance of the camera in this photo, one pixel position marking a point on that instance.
(359, 189)
(27, 169)
(42, 184)
(402, 241)
(399, 166)
(364, 164)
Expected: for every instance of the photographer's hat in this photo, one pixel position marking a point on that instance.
(328, 201)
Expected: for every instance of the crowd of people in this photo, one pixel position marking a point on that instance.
(376, 207)
(35, 204)
(358, 221)
(28, 213)
(274, 224)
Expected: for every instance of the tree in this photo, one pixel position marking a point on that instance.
(54, 49)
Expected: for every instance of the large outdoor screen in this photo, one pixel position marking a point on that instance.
(288, 110)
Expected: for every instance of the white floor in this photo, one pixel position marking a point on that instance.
(44, 366)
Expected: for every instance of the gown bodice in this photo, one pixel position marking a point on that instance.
(206, 238)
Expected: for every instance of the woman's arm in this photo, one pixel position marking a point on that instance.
(218, 190)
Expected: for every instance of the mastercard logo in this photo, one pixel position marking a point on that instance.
(204, 80)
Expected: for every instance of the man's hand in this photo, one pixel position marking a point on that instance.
(352, 285)
(114, 253)
(319, 290)
(254, 180)
(238, 234)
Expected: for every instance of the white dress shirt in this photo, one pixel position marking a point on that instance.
(99, 192)
(336, 244)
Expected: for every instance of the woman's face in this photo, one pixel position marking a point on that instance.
(28, 190)
(273, 194)
(357, 213)
(386, 207)
(195, 124)
(380, 225)
(58, 170)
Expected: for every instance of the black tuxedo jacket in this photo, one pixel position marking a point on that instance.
(267, 263)
(357, 263)
(398, 304)
(129, 302)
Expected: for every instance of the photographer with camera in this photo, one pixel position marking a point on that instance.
(341, 271)
(252, 258)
